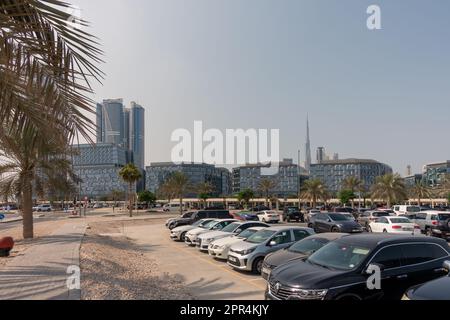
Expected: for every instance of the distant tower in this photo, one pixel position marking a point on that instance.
(336, 156)
(320, 154)
(409, 171)
(307, 147)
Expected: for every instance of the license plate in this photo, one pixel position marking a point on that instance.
(233, 259)
(408, 229)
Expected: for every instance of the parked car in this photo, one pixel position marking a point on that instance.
(293, 214)
(219, 249)
(334, 222)
(245, 216)
(191, 236)
(173, 207)
(311, 213)
(369, 216)
(203, 214)
(179, 233)
(434, 290)
(44, 208)
(234, 228)
(341, 270)
(298, 251)
(434, 223)
(399, 210)
(269, 216)
(396, 225)
(186, 215)
(249, 254)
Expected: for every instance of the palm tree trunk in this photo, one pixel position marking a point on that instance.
(130, 200)
(27, 211)
(420, 200)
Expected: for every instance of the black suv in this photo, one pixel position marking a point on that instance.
(344, 269)
(203, 214)
(293, 214)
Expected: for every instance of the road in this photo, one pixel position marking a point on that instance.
(205, 277)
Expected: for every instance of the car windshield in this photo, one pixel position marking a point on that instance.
(400, 220)
(261, 236)
(209, 225)
(413, 209)
(339, 256)
(338, 217)
(444, 217)
(308, 246)
(187, 215)
(231, 227)
(201, 223)
(247, 233)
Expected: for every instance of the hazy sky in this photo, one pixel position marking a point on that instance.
(267, 63)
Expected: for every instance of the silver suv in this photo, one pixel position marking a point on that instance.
(249, 254)
(434, 223)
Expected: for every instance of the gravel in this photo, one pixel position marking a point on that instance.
(113, 267)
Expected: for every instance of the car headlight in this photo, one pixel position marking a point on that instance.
(308, 295)
(248, 251)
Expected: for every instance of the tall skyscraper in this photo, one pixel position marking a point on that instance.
(320, 155)
(110, 122)
(126, 129)
(308, 147)
(137, 134)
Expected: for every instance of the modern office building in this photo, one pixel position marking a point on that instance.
(412, 180)
(137, 134)
(320, 154)
(334, 172)
(111, 122)
(98, 167)
(126, 129)
(287, 181)
(158, 173)
(434, 173)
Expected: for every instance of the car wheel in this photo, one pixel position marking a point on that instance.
(369, 229)
(257, 266)
(385, 231)
(183, 236)
(335, 230)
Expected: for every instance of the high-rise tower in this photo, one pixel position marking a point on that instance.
(307, 147)
(137, 134)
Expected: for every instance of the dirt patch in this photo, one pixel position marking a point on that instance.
(113, 267)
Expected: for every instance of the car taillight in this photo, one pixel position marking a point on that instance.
(435, 223)
(396, 227)
(416, 227)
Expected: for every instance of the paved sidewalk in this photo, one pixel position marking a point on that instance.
(41, 272)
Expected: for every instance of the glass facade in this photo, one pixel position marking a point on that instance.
(110, 121)
(137, 134)
(287, 180)
(219, 178)
(98, 167)
(434, 173)
(334, 172)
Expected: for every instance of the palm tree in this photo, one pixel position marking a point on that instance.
(352, 184)
(314, 190)
(179, 184)
(204, 191)
(266, 186)
(130, 174)
(245, 196)
(29, 159)
(165, 192)
(420, 191)
(389, 188)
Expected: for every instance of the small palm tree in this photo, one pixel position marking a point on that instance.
(130, 174)
(266, 186)
(420, 191)
(204, 191)
(245, 196)
(179, 184)
(352, 184)
(314, 190)
(389, 188)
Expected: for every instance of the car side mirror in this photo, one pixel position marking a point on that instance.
(447, 265)
(238, 231)
(272, 243)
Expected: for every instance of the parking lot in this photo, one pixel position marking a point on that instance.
(205, 277)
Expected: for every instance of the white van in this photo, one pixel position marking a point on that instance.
(399, 210)
(173, 207)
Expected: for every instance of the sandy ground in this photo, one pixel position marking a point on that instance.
(113, 267)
